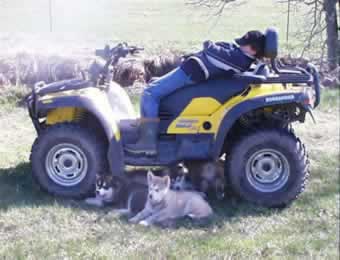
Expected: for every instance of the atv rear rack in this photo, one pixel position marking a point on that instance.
(288, 75)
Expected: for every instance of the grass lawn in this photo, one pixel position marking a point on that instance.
(155, 24)
(34, 225)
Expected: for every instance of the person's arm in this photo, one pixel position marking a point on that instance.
(206, 44)
(223, 44)
(221, 56)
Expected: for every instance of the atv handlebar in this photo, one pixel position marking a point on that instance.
(111, 57)
(118, 51)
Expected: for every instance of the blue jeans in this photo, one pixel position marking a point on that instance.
(161, 88)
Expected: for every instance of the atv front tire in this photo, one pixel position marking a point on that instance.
(268, 167)
(66, 159)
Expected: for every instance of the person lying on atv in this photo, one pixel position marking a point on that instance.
(220, 59)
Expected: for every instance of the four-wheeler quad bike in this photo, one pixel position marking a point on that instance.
(248, 118)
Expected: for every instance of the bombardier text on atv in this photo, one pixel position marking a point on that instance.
(248, 118)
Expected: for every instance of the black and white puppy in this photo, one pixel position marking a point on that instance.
(105, 189)
(128, 194)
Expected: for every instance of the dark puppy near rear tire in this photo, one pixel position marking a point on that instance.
(208, 177)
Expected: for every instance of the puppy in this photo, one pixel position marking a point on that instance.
(128, 194)
(164, 204)
(104, 191)
(179, 176)
(208, 177)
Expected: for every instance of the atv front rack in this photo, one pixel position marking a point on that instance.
(41, 89)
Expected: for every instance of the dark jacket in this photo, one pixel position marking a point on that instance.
(220, 59)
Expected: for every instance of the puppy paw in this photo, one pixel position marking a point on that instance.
(133, 220)
(97, 202)
(144, 223)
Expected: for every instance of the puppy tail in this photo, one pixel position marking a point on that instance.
(128, 210)
(97, 202)
(124, 212)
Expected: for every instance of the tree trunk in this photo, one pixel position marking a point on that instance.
(332, 33)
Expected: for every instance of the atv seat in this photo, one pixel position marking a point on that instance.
(219, 89)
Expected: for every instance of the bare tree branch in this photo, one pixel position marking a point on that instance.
(320, 17)
(218, 5)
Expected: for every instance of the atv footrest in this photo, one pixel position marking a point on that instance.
(129, 130)
(194, 147)
(166, 155)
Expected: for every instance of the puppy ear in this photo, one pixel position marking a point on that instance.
(118, 190)
(182, 169)
(99, 181)
(167, 181)
(150, 176)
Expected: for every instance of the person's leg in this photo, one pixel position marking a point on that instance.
(149, 109)
(160, 88)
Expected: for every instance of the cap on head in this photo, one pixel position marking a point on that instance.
(255, 39)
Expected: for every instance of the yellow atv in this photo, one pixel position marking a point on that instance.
(83, 126)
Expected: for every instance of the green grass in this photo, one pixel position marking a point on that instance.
(12, 96)
(155, 24)
(34, 225)
(330, 99)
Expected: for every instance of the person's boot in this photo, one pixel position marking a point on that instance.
(147, 142)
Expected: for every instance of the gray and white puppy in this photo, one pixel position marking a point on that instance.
(164, 204)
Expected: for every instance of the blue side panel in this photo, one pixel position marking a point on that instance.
(175, 149)
(220, 89)
(116, 157)
(246, 106)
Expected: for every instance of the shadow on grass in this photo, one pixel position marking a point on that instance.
(231, 209)
(18, 189)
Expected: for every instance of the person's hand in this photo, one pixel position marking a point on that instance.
(206, 44)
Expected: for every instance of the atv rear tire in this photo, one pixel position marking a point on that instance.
(269, 167)
(66, 159)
